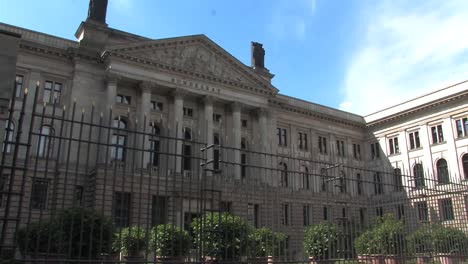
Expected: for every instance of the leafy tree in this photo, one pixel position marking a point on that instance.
(264, 242)
(130, 240)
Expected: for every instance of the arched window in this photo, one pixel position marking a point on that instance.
(465, 165)
(119, 140)
(305, 177)
(45, 141)
(342, 182)
(8, 137)
(154, 144)
(397, 180)
(284, 174)
(442, 172)
(418, 174)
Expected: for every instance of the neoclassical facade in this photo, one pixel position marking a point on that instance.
(284, 162)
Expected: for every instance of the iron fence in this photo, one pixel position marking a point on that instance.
(78, 185)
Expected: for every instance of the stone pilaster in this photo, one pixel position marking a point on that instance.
(143, 109)
(208, 103)
(177, 127)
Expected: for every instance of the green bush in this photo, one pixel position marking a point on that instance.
(264, 242)
(434, 238)
(73, 232)
(221, 235)
(386, 236)
(130, 240)
(169, 241)
(320, 240)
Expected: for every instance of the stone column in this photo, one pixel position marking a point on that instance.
(176, 129)
(236, 138)
(111, 90)
(452, 154)
(144, 109)
(108, 102)
(264, 136)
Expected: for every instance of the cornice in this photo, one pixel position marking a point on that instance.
(68, 54)
(418, 109)
(187, 73)
(325, 117)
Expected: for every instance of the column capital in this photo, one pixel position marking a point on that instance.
(236, 106)
(113, 78)
(262, 112)
(145, 86)
(208, 100)
(179, 93)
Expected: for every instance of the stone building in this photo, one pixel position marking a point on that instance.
(284, 162)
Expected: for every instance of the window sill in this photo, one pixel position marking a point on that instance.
(415, 149)
(462, 137)
(438, 143)
(394, 154)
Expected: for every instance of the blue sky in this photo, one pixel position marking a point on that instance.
(359, 56)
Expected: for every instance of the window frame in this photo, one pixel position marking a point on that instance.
(38, 201)
(414, 140)
(49, 93)
(437, 134)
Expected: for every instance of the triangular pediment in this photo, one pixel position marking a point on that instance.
(196, 54)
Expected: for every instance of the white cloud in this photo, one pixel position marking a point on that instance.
(291, 20)
(407, 51)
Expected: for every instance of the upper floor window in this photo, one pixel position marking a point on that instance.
(342, 182)
(216, 151)
(45, 141)
(302, 141)
(375, 150)
(465, 165)
(187, 133)
(119, 140)
(157, 106)
(414, 140)
(52, 91)
(154, 145)
(442, 172)
(243, 165)
(284, 174)
(243, 143)
(123, 99)
(217, 118)
(378, 185)
(437, 134)
(357, 151)
(285, 214)
(39, 193)
(244, 123)
(305, 177)
(397, 180)
(188, 112)
(462, 127)
(322, 144)
(8, 136)
(359, 184)
(423, 212)
(282, 136)
(418, 174)
(393, 145)
(340, 149)
(19, 86)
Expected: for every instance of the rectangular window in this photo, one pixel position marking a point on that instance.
(357, 151)
(243, 165)
(253, 214)
(414, 140)
(256, 215)
(187, 157)
(378, 186)
(154, 153)
(306, 215)
(78, 196)
(188, 112)
(217, 118)
(446, 209)
(423, 212)
(359, 184)
(303, 143)
(322, 143)
(118, 149)
(375, 150)
(282, 137)
(52, 91)
(225, 206)
(19, 86)
(157, 106)
(340, 148)
(39, 194)
(400, 208)
(437, 134)
(362, 216)
(325, 213)
(393, 145)
(3, 188)
(462, 127)
(121, 210)
(123, 99)
(159, 210)
(244, 123)
(379, 211)
(285, 214)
